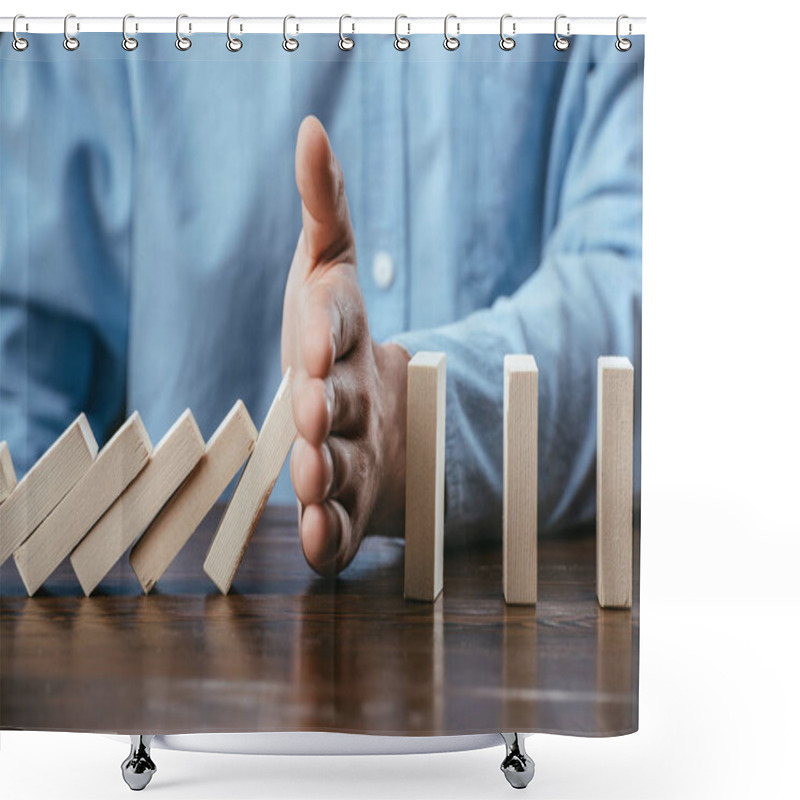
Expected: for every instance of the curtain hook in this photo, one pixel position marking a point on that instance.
(560, 42)
(345, 42)
(18, 43)
(289, 44)
(70, 42)
(451, 42)
(623, 44)
(507, 42)
(400, 42)
(181, 42)
(233, 44)
(128, 42)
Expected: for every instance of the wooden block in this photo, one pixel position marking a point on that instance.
(175, 456)
(117, 464)
(520, 449)
(424, 556)
(8, 477)
(614, 482)
(45, 485)
(253, 490)
(226, 451)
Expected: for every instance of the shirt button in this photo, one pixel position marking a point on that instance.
(383, 270)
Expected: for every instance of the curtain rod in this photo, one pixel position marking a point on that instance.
(350, 25)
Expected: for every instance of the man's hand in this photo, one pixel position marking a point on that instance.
(349, 393)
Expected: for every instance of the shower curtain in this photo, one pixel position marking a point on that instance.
(213, 255)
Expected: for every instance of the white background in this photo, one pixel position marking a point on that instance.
(720, 520)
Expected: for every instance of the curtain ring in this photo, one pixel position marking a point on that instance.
(18, 43)
(451, 42)
(181, 42)
(70, 42)
(623, 44)
(507, 42)
(289, 44)
(128, 42)
(233, 44)
(560, 42)
(400, 42)
(345, 42)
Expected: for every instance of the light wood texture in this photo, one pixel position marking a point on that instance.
(117, 464)
(614, 482)
(226, 451)
(253, 490)
(425, 429)
(8, 477)
(520, 449)
(175, 456)
(45, 484)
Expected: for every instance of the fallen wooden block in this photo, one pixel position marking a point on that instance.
(226, 451)
(253, 490)
(425, 427)
(175, 456)
(8, 477)
(614, 482)
(520, 450)
(45, 485)
(117, 464)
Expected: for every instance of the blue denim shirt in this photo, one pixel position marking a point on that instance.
(148, 216)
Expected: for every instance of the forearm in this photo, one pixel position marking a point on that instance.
(574, 309)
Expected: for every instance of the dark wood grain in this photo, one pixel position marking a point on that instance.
(288, 650)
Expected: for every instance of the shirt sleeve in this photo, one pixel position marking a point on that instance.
(65, 206)
(583, 300)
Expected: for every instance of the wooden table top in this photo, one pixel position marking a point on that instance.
(287, 650)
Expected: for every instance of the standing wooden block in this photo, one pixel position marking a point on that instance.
(614, 482)
(253, 490)
(424, 556)
(45, 484)
(175, 456)
(8, 477)
(520, 449)
(117, 464)
(226, 451)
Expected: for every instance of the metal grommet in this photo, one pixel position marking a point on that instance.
(233, 44)
(70, 42)
(345, 42)
(623, 45)
(400, 42)
(289, 44)
(128, 42)
(560, 42)
(18, 43)
(183, 43)
(451, 42)
(507, 42)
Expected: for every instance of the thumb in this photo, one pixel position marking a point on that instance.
(326, 219)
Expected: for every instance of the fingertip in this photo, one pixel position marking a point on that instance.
(312, 472)
(321, 537)
(319, 349)
(312, 159)
(312, 408)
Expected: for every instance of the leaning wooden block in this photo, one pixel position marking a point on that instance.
(8, 477)
(520, 421)
(117, 464)
(226, 451)
(424, 556)
(45, 484)
(175, 456)
(614, 482)
(253, 490)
